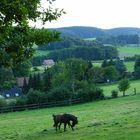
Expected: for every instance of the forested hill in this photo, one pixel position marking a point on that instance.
(92, 32)
(123, 31)
(82, 32)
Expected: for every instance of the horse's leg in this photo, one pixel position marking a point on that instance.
(72, 128)
(56, 125)
(59, 125)
(65, 124)
(70, 125)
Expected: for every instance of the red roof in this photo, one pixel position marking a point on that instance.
(48, 62)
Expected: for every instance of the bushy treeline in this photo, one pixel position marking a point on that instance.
(131, 58)
(61, 44)
(68, 42)
(87, 53)
(120, 39)
(72, 79)
(64, 81)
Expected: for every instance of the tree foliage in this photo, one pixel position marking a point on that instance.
(16, 36)
(67, 42)
(22, 69)
(6, 78)
(120, 39)
(88, 53)
(110, 73)
(124, 85)
(137, 67)
(121, 68)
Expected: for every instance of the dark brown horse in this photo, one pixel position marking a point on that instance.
(66, 119)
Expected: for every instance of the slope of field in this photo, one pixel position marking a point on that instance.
(133, 84)
(115, 119)
(128, 51)
(41, 53)
(129, 65)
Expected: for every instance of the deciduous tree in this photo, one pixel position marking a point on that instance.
(124, 85)
(16, 35)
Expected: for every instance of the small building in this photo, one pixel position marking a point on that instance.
(13, 92)
(48, 62)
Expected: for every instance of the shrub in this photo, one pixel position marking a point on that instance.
(90, 93)
(114, 93)
(21, 101)
(83, 94)
(11, 102)
(59, 94)
(2, 102)
(124, 84)
(36, 96)
(98, 94)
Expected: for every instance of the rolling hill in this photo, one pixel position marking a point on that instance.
(92, 32)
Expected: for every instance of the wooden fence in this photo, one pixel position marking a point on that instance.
(40, 105)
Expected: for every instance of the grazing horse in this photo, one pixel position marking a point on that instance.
(66, 119)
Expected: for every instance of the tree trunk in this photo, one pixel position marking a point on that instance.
(123, 93)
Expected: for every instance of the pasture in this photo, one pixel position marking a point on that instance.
(133, 84)
(128, 51)
(40, 69)
(115, 119)
(129, 65)
(41, 53)
(125, 51)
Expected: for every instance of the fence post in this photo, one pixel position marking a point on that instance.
(135, 92)
(70, 101)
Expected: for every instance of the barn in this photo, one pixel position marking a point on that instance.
(48, 62)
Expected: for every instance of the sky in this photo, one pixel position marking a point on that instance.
(103, 14)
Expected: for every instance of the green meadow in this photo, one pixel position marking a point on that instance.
(129, 65)
(112, 119)
(41, 53)
(107, 88)
(128, 51)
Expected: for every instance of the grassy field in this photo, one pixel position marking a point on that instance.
(40, 69)
(133, 84)
(41, 53)
(90, 38)
(125, 51)
(129, 65)
(128, 51)
(115, 119)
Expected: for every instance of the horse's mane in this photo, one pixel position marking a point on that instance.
(70, 116)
